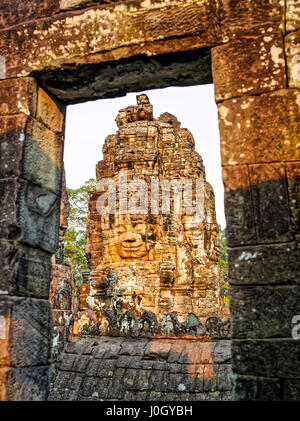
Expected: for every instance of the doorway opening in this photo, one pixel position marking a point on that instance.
(87, 126)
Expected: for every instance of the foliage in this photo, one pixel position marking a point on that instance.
(223, 262)
(75, 237)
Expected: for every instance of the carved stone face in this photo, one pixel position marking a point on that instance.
(130, 239)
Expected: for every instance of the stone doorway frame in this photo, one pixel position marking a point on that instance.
(133, 45)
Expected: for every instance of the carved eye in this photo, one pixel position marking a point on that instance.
(139, 228)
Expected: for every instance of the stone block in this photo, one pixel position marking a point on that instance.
(264, 264)
(190, 353)
(39, 212)
(62, 289)
(159, 380)
(81, 363)
(210, 375)
(24, 384)
(222, 352)
(63, 379)
(81, 346)
(13, 13)
(133, 347)
(129, 379)
(177, 348)
(205, 355)
(254, 64)
(161, 365)
(213, 396)
(182, 383)
(43, 155)
(199, 397)
(130, 395)
(107, 368)
(250, 16)
(143, 380)
(102, 388)
(292, 49)
(93, 367)
(12, 137)
(270, 202)
(154, 396)
(226, 395)
(158, 349)
(67, 362)
(123, 361)
(107, 350)
(136, 25)
(9, 225)
(238, 206)
(268, 358)
(30, 150)
(291, 390)
(26, 331)
(198, 382)
(147, 364)
(135, 362)
(34, 272)
(115, 388)
(293, 179)
(263, 311)
(25, 271)
(89, 386)
(18, 96)
(292, 15)
(250, 388)
(50, 112)
(248, 133)
(76, 382)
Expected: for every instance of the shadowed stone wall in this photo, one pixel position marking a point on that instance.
(104, 50)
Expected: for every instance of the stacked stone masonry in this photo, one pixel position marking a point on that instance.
(94, 369)
(77, 50)
(31, 132)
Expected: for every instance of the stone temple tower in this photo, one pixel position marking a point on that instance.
(156, 247)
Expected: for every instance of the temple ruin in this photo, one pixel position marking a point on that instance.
(145, 254)
(154, 297)
(59, 52)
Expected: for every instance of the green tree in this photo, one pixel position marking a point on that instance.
(223, 262)
(75, 237)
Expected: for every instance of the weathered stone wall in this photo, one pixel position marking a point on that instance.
(63, 295)
(94, 369)
(63, 299)
(31, 134)
(256, 79)
(107, 50)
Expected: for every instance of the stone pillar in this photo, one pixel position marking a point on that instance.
(259, 122)
(31, 149)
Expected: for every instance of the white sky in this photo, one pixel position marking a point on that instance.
(88, 125)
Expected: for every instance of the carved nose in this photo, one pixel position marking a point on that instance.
(130, 238)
